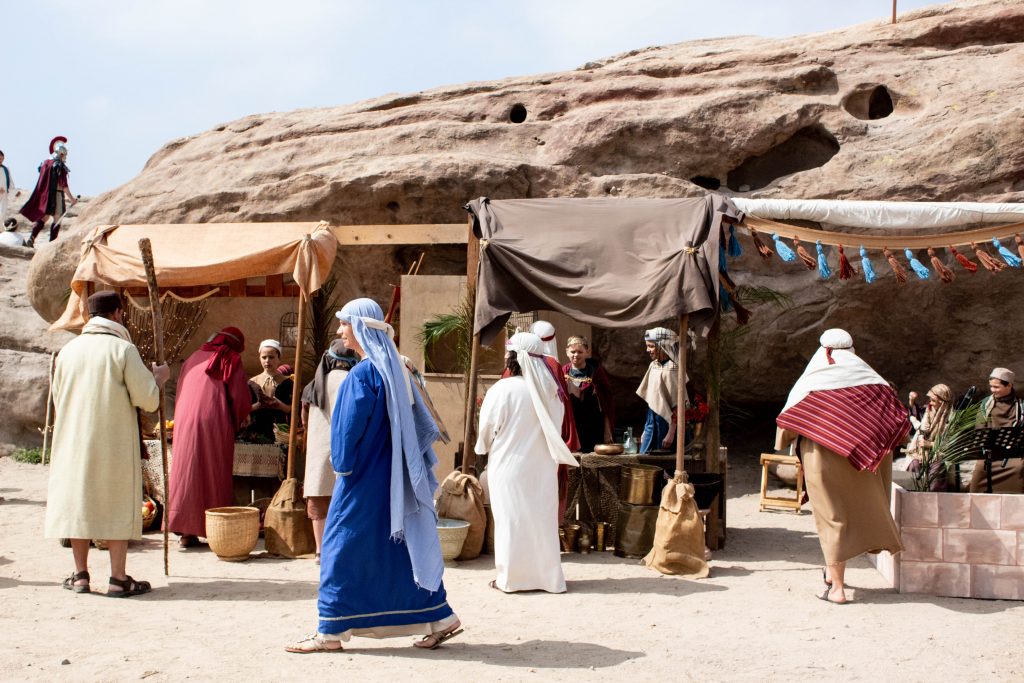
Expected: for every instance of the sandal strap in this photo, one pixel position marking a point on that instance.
(80, 576)
(128, 583)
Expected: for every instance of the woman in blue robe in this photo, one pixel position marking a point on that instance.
(380, 566)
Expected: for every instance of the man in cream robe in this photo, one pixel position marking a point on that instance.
(95, 489)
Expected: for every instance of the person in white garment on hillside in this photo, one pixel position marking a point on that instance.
(518, 429)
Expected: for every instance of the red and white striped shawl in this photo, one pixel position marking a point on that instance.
(862, 423)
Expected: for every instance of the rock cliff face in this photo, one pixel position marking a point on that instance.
(927, 109)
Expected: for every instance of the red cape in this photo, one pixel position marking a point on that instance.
(35, 207)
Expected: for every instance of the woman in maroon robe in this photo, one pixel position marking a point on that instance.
(212, 403)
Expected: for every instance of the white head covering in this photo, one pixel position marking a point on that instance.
(833, 366)
(271, 343)
(1002, 374)
(541, 383)
(545, 331)
(666, 340)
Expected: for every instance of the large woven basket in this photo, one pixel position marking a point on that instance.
(452, 533)
(232, 531)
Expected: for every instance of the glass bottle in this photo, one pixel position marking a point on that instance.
(629, 444)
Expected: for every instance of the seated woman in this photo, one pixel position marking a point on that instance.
(932, 424)
(271, 394)
(590, 394)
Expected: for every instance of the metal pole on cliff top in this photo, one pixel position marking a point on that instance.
(158, 345)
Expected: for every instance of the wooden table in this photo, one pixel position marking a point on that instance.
(251, 461)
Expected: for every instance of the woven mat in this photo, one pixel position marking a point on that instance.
(251, 460)
(598, 496)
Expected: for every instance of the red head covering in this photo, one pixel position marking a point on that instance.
(226, 345)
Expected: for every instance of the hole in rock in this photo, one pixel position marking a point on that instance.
(517, 113)
(808, 148)
(392, 206)
(707, 182)
(869, 103)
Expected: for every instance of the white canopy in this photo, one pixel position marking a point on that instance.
(891, 215)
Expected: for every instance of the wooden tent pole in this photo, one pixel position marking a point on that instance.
(146, 249)
(684, 325)
(296, 388)
(469, 431)
(894, 11)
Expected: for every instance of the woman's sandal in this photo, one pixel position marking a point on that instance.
(434, 640)
(129, 587)
(69, 583)
(314, 643)
(824, 577)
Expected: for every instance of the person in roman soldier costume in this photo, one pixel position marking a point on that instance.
(50, 197)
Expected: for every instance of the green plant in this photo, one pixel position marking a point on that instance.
(320, 330)
(454, 327)
(32, 456)
(948, 449)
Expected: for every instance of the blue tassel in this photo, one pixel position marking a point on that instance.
(919, 268)
(723, 299)
(823, 270)
(869, 270)
(1007, 255)
(782, 249)
(723, 267)
(735, 250)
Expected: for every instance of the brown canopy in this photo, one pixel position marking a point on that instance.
(200, 254)
(607, 262)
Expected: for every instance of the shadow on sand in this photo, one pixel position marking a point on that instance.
(539, 654)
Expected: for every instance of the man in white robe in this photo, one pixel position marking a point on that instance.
(95, 489)
(518, 430)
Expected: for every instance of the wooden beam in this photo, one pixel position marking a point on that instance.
(425, 233)
(275, 285)
(237, 288)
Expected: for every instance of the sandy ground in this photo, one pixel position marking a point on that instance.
(755, 618)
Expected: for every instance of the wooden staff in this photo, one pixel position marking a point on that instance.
(49, 409)
(296, 388)
(684, 324)
(158, 346)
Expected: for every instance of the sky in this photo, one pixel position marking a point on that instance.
(119, 78)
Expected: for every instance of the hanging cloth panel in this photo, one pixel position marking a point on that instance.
(606, 262)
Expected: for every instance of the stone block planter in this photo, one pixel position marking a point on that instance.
(961, 545)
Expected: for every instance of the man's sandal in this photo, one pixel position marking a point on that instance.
(434, 640)
(312, 644)
(129, 587)
(69, 583)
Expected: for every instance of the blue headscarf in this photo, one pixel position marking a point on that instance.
(413, 431)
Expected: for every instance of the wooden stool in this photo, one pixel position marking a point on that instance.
(767, 501)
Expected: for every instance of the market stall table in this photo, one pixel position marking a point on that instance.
(257, 469)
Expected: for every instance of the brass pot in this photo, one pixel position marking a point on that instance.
(637, 483)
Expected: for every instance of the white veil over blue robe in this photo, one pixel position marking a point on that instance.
(413, 431)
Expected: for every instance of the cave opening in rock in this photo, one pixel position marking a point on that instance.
(517, 114)
(810, 147)
(880, 103)
(707, 182)
(869, 103)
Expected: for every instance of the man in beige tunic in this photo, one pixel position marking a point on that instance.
(96, 474)
(846, 421)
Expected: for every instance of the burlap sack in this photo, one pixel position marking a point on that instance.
(287, 530)
(679, 534)
(463, 498)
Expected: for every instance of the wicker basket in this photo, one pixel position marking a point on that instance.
(452, 533)
(280, 436)
(232, 531)
(149, 516)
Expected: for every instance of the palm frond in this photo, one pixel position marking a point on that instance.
(753, 295)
